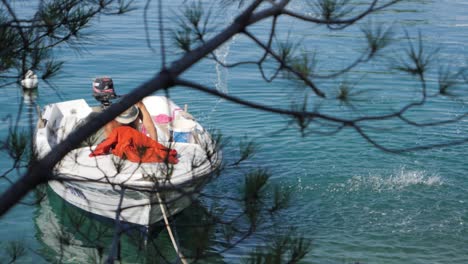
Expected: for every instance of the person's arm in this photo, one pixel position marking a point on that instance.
(147, 121)
(109, 127)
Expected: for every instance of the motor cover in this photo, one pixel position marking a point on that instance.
(103, 89)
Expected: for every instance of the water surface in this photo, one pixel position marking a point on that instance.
(356, 203)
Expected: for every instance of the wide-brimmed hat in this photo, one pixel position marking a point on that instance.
(128, 115)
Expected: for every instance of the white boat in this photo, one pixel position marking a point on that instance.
(103, 184)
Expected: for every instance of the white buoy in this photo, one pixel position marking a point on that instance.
(30, 80)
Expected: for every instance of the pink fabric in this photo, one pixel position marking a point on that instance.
(162, 119)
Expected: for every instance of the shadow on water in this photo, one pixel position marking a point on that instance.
(70, 235)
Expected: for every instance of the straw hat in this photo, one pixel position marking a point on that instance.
(128, 116)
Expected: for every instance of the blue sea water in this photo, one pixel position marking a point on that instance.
(356, 202)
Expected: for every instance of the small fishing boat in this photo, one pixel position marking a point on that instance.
(116, 188)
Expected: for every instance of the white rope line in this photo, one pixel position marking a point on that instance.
(169, 230)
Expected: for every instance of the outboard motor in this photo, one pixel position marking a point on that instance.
(103, 90)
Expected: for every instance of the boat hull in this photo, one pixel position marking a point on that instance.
(141, 207)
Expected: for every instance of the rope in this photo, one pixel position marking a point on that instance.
(114, 252)
(169, 230)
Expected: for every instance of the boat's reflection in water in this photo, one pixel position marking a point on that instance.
(70, 235)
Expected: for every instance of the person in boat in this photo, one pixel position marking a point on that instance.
(104, 92)
(126, 141)
(137, 117)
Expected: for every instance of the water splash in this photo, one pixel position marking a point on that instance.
(397, 181)
(221, 71)
(221, 82)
